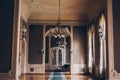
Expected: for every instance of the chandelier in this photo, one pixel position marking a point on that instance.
(59, 31)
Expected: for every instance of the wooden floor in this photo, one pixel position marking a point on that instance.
(47, 77)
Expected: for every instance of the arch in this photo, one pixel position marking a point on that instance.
(50, 33)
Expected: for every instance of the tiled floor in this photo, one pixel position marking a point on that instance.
(54, 76)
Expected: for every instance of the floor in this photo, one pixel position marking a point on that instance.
(55, 76)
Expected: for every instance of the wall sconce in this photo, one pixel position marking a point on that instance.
(24, 30)
(100, 30)
(42, 51)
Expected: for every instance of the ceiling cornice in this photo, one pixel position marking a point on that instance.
(63, 22)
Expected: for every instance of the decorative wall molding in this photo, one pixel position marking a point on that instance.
(8, 76)
(5, 75)
(36, 68)
(115, 74)
(78, 68)
(63, 22)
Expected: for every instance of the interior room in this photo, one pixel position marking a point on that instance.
(60, 40)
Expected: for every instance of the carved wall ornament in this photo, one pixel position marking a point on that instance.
(115, 74)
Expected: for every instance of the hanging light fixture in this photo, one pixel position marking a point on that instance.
(59, 31)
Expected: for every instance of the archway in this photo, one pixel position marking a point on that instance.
(57, 51)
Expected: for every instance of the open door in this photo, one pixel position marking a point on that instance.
(57, 58)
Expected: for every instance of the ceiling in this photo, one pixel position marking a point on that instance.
(72, 10)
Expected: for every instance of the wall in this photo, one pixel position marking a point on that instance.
(35, 44)
(80, 44)
(94, 48)
(35, 56)
(6, 35)
(116, 30)
(23, 19)
(6, 32)
(79, 48)
(10, 28)
(112, 25)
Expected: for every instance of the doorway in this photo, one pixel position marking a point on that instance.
(57, 58)
(57, 52)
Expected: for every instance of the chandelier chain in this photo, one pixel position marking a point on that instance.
(59, 12)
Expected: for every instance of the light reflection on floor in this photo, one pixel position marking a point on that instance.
(57, 77)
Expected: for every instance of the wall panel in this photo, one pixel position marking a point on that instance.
(6, 32)
(116, 29)
(80, 44)
(35, 44)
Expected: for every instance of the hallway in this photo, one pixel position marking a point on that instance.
(55, 76)
(79, 37)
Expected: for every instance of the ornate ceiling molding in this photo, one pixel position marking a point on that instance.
(63, 22)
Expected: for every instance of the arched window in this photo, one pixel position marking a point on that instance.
(102, 39)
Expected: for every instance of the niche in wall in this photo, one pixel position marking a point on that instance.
(35, 54)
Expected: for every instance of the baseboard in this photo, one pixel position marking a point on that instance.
(6, 79)
(34, 74)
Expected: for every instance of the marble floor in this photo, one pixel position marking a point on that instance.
(55, 76)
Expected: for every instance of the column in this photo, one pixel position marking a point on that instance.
(44, 26)
(110, 45)
(43, 49)
(64, 51)
(71, 54)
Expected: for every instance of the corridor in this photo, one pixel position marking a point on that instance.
(60, 40)
(55, 76)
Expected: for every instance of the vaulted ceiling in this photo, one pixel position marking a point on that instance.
(72, 10)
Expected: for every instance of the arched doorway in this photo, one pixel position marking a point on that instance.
(57, 51)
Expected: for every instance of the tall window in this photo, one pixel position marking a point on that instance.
(91, 46)
(102, 33)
